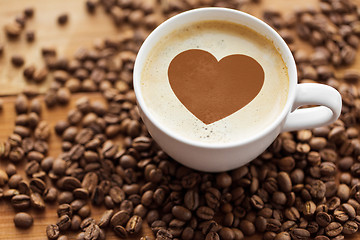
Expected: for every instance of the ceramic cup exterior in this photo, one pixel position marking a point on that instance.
(227, 156)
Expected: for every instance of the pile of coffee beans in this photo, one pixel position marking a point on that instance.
(305, 185)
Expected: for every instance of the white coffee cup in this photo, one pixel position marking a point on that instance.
(227, 156)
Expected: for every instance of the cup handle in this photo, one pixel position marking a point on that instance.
(313, 94)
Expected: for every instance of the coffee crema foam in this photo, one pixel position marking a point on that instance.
(220, 38)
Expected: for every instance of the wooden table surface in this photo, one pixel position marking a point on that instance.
(81, 30)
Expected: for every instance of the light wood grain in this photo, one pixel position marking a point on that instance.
(81, 30)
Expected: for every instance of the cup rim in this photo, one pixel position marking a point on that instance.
(280, 44)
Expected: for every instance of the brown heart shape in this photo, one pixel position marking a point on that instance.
(213, 90)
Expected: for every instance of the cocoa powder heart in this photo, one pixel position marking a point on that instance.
(213, 90)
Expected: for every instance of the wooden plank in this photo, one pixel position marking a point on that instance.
(82, 29)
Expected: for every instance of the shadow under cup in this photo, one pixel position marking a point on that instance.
(200, 155)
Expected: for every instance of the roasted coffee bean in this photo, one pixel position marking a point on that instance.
(321, 237)
(4, 178)
(350, 227)
(32, 167)
(292, 214)
(282, 236)
(75, 223)
(284, 181)
(59, 166)
(147, 198)
(224, 233)
(181, 213)
(52, 231)
(20, 201)
(134, 224)
(117, 194)
(333, 229)
(273, 225)
(62, 18)
(17, 60)
(120, 231)
(50, 194)
(85, 211)
(120, 218)
(212, 236)
(105, 218)
(61, 126)
(164, 234)
(205, 213)
(109, 203)
(13, 30)
(23, 187)
(92, 232)
(81, 193)
(260, 223)
(77, 204)
(127, 205)
(80, 236)
(37, 185)
(87, 222)
(323, 219)
(42, 131)
(46, 163)
(13, 182)
(191, 200)
(299, 233)
(64, 209)
(256, 202)
(23, 220)
(35, 156)
(37, 201)
(340, 216)
(309, 209)
(97, 196)
(30, 36)
(10, 169)
(317, 189)
(140, 210)
(64, 222)
(187, 233)
(40, 75)
(15, 139)
(65, 197)
(69, 183)
(21, 104)
(8, 194)
(63, 96)
(247, 227)
(223, 180)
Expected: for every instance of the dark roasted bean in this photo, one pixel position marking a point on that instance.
(23, 220)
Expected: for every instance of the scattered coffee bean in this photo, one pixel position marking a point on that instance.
(29, 12)
(30, 36)
(333, 229)
(63, 18)
(52, 231)
(20, 201)
(23, 220)
(13, 30)
(17, 60)
(92, 231)
(134, 224)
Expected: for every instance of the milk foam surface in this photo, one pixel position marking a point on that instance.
(221, 39)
